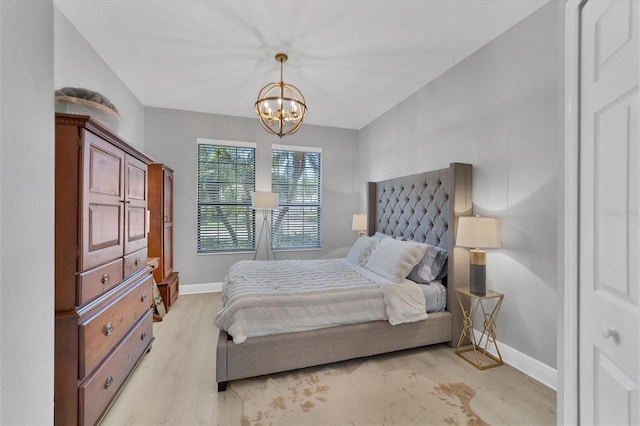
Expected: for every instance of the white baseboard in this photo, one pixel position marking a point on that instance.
(201, 288)
(529, 366)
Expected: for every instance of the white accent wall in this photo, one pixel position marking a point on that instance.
(26, 212)
(170, 137)
(500, 110)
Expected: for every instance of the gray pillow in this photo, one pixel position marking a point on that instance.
(393, 259)
(361, 250)
(431, 267)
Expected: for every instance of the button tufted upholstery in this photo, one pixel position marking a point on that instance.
(416, 208)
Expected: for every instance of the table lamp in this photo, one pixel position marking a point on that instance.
(477, 232)
(359, 223)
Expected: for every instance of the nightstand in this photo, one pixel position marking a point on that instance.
(489, 304)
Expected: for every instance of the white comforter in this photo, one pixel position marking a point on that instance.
(271, 297)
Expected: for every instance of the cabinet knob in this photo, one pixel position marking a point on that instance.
(143, 297)
(108, 329)
(105, 278)
(137, 262)
(143, 336)
(108, 382)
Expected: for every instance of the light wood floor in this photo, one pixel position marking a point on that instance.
(175, 383)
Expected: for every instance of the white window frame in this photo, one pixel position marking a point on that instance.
(274, 216)
(251, 231)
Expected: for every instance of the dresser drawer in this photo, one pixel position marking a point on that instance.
(103, 331)
(99, 389)
(135, 261)
(95, 282)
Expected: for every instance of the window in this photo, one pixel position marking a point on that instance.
(226, 179)
(295, 176)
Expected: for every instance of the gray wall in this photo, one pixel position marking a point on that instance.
(26, 212)
(170, 137)
(501, 110)
(77, 64)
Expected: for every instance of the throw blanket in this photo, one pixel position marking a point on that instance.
(283, 296)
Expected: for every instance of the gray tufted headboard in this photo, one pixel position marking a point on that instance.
(425, 207)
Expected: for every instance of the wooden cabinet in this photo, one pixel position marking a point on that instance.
(103, 286)
(161, 231)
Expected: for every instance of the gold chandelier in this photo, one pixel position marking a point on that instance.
(280, 106)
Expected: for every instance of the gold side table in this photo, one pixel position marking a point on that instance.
(477, 355)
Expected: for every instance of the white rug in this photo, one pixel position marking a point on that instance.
(366, 396)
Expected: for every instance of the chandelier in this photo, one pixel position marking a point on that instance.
(280, 106)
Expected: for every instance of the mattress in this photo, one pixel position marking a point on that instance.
(271, 297)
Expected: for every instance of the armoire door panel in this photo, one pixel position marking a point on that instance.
(105, 171)
(102, 200)
(168, 197)
(136, 180)
(136, 201)
(168, 250)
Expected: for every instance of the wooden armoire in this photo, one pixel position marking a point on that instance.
(161, 231)
(103, 286)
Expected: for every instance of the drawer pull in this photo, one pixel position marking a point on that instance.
(105, 278)
(108, 382)
(143, 298)
(137, 262)
(166, 219)
(108, 329)
(143, 336)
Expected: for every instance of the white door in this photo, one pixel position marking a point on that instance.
(609, 213)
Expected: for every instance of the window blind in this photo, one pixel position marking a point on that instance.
(226, 179)
(295, 176)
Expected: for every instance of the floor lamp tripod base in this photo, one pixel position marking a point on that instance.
(266, 232)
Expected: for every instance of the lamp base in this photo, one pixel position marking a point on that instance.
(477, 279)
(477, 272)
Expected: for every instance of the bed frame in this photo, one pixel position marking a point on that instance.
(422, 207)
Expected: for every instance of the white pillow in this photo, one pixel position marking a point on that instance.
(361, 250)
(431, 267)
(393, 259)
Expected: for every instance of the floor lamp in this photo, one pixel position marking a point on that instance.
(265, 201)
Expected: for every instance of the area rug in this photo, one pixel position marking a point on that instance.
(365, 396)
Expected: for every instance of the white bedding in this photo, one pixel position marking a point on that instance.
(271, 297)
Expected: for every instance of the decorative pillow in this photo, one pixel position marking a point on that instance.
(361, 250)
(393, 259)
(431, 267)
(381, 235)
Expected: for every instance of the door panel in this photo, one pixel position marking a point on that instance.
(168, 250)
(102, 202)
(168, 196)
(136, 202)
(609, 213)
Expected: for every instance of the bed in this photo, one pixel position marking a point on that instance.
(422, 207)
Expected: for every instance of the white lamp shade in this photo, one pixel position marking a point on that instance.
(359, 222)
(478, 232)
(265, 200)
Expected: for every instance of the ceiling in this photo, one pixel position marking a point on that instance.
(352, 59)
